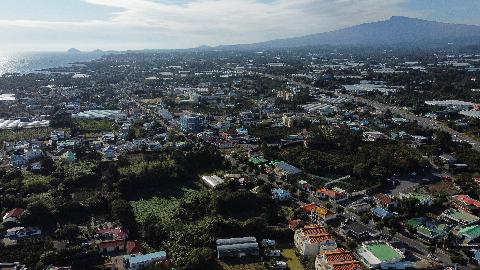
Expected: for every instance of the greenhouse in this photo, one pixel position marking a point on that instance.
(237, 247)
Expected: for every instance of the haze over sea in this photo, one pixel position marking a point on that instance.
(35, 61)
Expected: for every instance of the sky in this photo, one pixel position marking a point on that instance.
(51, 25)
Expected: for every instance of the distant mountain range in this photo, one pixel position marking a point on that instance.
(97, 51)
(395, 31)
(73, 50)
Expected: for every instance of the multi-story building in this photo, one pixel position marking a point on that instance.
(338, 259)
(313, 239)
(191, 123)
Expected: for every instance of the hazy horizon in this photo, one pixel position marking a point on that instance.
(57, 25)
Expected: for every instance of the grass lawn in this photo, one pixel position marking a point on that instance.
(292, 259)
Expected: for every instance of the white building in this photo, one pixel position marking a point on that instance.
(457, 104)
(212, 181)
(313, 239)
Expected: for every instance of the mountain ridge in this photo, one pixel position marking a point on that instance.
(396, 30)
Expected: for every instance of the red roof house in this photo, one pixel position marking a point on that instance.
(466, 203)
(134, 247)
(13, 215)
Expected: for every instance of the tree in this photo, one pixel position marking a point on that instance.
(443, 140)
(37, 214)
(48, 165)
(69, 232)
(201, 259)
(365, 218)
(388, 114)
(123, 212)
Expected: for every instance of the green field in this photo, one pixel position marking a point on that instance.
(24, 134)
(162, 207)
(292, 259)
(94, 125)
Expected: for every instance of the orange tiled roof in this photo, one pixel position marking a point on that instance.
(383, 198)
(339, 255)
(323, 211)
(350, 265)
(316, 233)
(317, 238)
(309, 207)
(295, 223)
(329, 192)
(341, 259)
(335, 251)
(314, 230)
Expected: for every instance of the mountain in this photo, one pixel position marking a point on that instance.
(73, 50)
(395, 31)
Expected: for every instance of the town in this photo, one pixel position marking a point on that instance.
(321, 158)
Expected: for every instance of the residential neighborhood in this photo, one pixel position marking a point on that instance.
(325, 159)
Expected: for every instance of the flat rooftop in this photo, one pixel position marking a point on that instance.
(383, 251)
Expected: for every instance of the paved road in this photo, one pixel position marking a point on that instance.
(418, 248)
(422, 121)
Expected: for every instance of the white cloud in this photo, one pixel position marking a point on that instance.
(222, 21)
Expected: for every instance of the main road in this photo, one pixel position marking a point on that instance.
(422, 121)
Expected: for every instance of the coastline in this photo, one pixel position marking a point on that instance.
(38, 62)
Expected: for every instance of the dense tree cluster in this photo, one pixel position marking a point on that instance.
(70, 194)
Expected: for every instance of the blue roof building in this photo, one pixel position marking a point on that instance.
(136, 262)
(280, 194)
(284, 168)
(381, 213)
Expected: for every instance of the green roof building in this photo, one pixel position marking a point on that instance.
(380, 254)
(459, 217)
(428, 229)
(470, 234)
(258, 160)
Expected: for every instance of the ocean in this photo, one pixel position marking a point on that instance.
(33, 62)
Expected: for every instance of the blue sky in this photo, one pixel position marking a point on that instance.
(39, 25)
